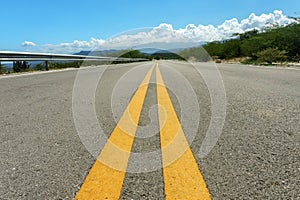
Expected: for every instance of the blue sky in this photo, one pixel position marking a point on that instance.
(54, 22)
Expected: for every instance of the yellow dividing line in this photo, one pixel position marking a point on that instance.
(106, 177)
(182, 177)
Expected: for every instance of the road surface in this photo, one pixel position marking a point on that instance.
(45, 154)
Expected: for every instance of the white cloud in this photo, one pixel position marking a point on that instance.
(263, 20)
(28, 44)
(165, 33)
(229, 27)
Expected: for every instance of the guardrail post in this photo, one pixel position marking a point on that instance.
(46, 65)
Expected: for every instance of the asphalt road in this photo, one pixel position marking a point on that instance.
(256, 156)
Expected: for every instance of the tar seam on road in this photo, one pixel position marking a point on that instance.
(105, 178)
(182, 177)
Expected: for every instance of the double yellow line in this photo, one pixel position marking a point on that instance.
(182, 178)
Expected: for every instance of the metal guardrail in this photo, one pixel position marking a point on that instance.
(11, 56)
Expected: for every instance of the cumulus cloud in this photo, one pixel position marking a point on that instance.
(165, 33)
(229, 27)
(28, 44)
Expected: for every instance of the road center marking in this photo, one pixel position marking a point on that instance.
(182, 177)
(105, 179)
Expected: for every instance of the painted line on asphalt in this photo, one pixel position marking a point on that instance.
(105, 179)
(182, 177)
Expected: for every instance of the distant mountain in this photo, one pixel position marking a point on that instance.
(151, 48)
(99, 53)
(148, 51)
(170, 46)
(7, 65)
(162, 50)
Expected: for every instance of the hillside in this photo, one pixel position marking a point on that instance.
(272, 45)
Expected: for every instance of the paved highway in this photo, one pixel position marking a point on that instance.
(162, 120)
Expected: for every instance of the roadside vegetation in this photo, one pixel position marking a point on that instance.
(158, 55)
(20, 66)
(272, 45)
(2, 70)
(24, 66)
(58, 65)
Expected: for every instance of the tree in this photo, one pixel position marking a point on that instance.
(2, 69)
(247, 35)
(25, 65)
(232, 49)
(215, 49)
(271, 55)
(253, 45)
(19, 66)
(284, 40)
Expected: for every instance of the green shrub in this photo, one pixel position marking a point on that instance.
(271, 55)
